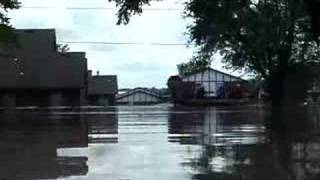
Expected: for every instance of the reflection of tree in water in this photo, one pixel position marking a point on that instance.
(294, 155)
(305, 144)
(223, 162)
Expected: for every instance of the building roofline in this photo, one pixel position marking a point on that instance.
(35, 29)
(212, 69)
(146, 91)
(96, 76)
(71, 52)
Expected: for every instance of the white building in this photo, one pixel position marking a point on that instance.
(139, 96)
(211, 80)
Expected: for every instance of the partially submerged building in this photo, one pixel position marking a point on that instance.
(211, 80)
(209, 86)
(102, 89)
(33, 73)
(139, 96)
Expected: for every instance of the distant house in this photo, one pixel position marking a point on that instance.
(33, 73)
(313, 91)
(211, 80)
(102, 89)
(139, 96)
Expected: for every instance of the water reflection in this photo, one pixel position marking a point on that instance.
(30, 141)
(217, 127)
(157, 142)
(240, 148)
(227, 138)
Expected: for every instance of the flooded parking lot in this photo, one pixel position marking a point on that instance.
(154, 142)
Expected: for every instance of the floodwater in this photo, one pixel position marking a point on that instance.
(155, 143)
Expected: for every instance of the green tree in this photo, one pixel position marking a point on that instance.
(272, 38)
(194, 65)
(63, 48)
(127, 8)
(275, 39)
(6, 34)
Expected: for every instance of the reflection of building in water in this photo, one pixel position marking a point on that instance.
(229, 140)
(216, 127)
(30, 140)
(28, 148)
(185, 126)
(292, 156)
(103, 126)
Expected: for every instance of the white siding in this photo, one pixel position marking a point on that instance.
(212, 76)
(206, 86)
(139, 97)
(206, 76)
(211, 80)
(154, 99)
(125, 99)
(199, 76)
(213, 86)
(220, 76)
(227, 78)
(148, 99)
(130, 98)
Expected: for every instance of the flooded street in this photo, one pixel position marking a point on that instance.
(154, 142)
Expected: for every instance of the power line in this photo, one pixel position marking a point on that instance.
(96, 8)
(123, 43)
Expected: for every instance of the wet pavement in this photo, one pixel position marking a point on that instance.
(154, 142)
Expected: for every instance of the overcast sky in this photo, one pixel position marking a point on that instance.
(135, 65)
